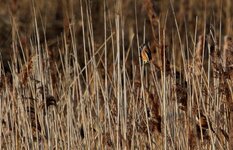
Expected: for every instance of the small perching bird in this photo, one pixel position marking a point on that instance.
(203, 123)
(145, 53)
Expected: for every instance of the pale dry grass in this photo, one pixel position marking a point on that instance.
(88, 88)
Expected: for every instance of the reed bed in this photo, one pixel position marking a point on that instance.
(72, 75)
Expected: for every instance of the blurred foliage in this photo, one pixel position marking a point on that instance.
(54, 17)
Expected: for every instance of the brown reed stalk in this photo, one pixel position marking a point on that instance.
(231, 130)
(228, 52)
(157, 46)
(27, 70)
(150, 7)
(227, 64)
(198, 55)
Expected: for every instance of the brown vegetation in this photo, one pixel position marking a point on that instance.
(72, 76)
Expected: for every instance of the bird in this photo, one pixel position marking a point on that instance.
(203, 123)
(145, 53)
